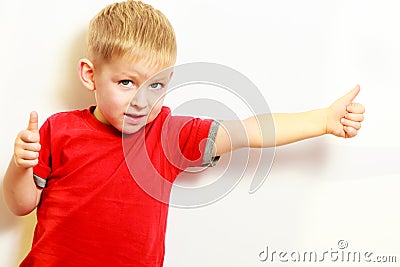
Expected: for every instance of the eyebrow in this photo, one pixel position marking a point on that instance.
(129, 74)
(158, 77)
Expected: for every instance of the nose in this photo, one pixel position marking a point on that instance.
(139, 100)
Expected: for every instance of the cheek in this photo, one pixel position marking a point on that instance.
(155, 110)
(112, 99)
(104, 101)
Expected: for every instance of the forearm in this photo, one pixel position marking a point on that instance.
(284, 128)
(19, 189)
(342, 118)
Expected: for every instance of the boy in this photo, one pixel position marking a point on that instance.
(75, 170)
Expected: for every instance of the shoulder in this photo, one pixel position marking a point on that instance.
(165, 118)
(165, 112)
(65, 120)
(179, 124)
(66, 115)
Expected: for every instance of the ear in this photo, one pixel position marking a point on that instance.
(86, 73)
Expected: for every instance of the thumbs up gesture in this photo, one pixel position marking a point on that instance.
(344, 117)
(27, 144)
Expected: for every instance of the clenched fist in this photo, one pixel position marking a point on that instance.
(344, 117)
(27, 144)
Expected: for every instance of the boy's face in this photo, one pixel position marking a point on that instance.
(129, 94)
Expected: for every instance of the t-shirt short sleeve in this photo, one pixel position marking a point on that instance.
(197, 139)
(42, 169)
(192, 138)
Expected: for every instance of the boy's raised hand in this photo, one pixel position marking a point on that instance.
(27, 144)
(344, 117)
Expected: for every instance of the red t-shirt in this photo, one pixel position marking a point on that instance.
(93, 212)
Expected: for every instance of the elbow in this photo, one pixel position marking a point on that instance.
(19, 207)
(21, 210)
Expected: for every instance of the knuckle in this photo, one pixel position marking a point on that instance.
(31, 155)
(37, 147)
(29, 138)
(23, 135)
(35, 137)
(17, 154)
(18, 142)
(19, 162)
(17, 149)
(34, 162)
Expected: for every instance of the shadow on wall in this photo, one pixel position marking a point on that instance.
(8, 220)
(308, 158)
(73, 95)
(25, 226)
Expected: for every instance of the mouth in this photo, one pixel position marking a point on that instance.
(132, 115)
(133, 118)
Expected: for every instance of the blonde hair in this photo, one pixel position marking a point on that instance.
(132, 29)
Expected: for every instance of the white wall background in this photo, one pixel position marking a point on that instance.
(301, 55)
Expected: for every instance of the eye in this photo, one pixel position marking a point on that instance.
(156, 86)
(126, 83)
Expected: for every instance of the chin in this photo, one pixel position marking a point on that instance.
(131, 129)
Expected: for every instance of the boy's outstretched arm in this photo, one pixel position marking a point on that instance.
(20, 192)
(343, 119)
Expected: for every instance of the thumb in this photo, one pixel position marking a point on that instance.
(33, 122)
(351, 95)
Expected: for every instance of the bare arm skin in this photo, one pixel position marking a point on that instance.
(20, 192)
(343, 119)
